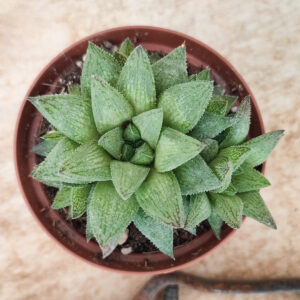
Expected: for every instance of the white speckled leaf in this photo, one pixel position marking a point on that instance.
(171, 69)
(71, 115)
(195, 176)
(237, 155)
(174, 149)
(262, 146)
(47, 171)
(255, 208)
(43, 148)
(101, 63)
(112, 141)
(204, 75)
(136, 81)
(160, 197)
(88, 163)
(89, 230)
(215, 223)
(159, 234)
(223, 168)
(210, 151)
(199, 210)
(79, 201)
(210, 125)
(149, 125)
(109, 214)
(126, 47)
(229, 208)
(110, 108)
(184, 104)
(131, 133)
(230, 191)
(237, 133)
(53, 136)
(127, 177)
(143, 155)
(62, 198)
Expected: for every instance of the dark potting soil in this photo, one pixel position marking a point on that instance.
(136, 240)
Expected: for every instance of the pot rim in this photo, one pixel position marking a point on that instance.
(37, 78)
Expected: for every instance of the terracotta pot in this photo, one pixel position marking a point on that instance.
(151, 38)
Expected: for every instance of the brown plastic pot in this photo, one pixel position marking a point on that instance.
(151, 38)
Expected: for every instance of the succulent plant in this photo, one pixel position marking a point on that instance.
(140, 140)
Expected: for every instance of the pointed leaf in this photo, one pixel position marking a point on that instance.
(126, 47)
(210, 151)
(174, 149)
(74, 89)
(79, 201)
(230, 101)
(127, 177)
(89, 230)
(112, 141)
(136, 81)
(239, 131)
(127, 152)
(159, 234)
(88, 163)
(223, 168)
(47, 171)
(217, 105)
(72, 115)
(195, 176)
(249, 180)
(110, 108)
(149, 124)
(101, 63)
(210, 125)
(199, 210)
(236, 154)
(170, 70)
(230, 191)
(62, 198)
(204, 75)
(219, 89)
(262, 146)
(255, 207)
(184, 104)
(229, 208)
(215, 223)
(160, 197)
(109, 214)
(143, 155)
(131, 133)
(53, 136)
(43, 148)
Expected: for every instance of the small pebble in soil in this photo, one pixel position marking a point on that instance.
(124, 237)
(233, 109)
(126, 250)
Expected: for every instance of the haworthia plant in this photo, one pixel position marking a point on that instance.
(141, 141)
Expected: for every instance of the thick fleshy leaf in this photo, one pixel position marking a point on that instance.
(262, 146)
(160, 197)
(71, 115)
(126, 47)
(184, 104)
(211, 150)
(230, 101)
(153, 58)
(79, 201)
(223, 168)
(149, 124)
(109, 214)
(53, 136)
(94, 166)
(220, 104)
(237, 155)
(249, 180)
(110, 108)
(143, 155)
(237, 133)
(112, 141)
(210, 125)
(195, 176)
(199, 210)
(170, 70)
(131, 133)
(89, 230)
(204, 75)
(255, 208)
(74, 89)
(100, 63)
(43, 148)
(127, 177)
(136, 81)
(127, 152)
(62, 198)
(47, 171)
(229, 208)
(174, 149)
(159, 234)
(215, 223)
(230, 191)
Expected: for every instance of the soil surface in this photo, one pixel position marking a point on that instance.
(136, 240)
